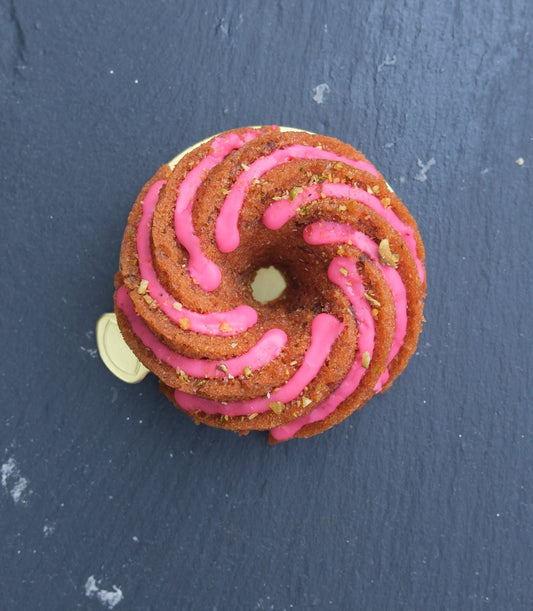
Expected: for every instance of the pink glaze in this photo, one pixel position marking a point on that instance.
(279, 212)
(352, 285)
(325, 329)
(333, 233)
(266, 350)
(238, 320)
(203, 270)
(227, 230)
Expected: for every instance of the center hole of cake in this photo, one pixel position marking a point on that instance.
(268, 284)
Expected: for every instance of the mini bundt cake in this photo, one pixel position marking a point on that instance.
(317, 211)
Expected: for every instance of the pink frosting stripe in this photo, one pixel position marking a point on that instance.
(238, 320)
(332, 233)
(206, 273)
(266, 350)
(352, 285)
(279, 212)
(325, 329)
(227, 230)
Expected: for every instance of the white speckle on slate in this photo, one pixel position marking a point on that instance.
(485, 171)
(12, 480)
(136, 539)
(109, 598)
(136, 81)
(421, 176)
(114, 394)
(111, 72)
(388, 61)
(320, 91)
(49, 529)
(520, 161)
(388, 145)
(92, 352)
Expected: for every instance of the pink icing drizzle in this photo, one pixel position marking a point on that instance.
(239, 319)
(329, 233)
(325, 329)
(352, 285)
(206, 273)
(227, 231)
(279, 212)
(266, 349)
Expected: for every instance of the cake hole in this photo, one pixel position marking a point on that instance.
(268, 284)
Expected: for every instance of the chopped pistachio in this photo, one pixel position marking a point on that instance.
(371, 300)
(369, 190)
(375, 188)
(225, 327)
(343, 271)
(184, 323)
(277, 407)
(247, 371)
(222, 368)
(365, 361)
(342, 208)
(225, 191)
(386, 202)
(143, 286)
(245, 167)
(386, 256)
(306, 402)
(293, 193)
(375, 313)
(303, 211)
(177, 305)
(252, 416)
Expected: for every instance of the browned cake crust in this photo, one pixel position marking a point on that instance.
(307, 266)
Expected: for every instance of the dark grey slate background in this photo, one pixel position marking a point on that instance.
(422, 500)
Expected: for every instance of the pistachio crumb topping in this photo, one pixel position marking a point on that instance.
(342, 208)
(306, 402)
(386, 202)
(375, 188)
(293, 193)
(222, 368)
(224, 191)
(369, 190)
(371, 300)
(143, 286)
(177, 305)
(343, 271)
(184, 323)
(252, 416)
(277, 407)
(245, 167)
(225, 327)
(386, 256)
(375, 313)
(365, 361)
(247, 371)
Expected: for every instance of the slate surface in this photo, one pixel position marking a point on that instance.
(110, 498)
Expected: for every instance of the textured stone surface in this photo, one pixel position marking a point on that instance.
(110, 498)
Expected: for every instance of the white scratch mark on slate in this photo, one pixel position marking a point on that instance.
(388, 61)
(12, 481)
(421, 176)
(108, 598)
(92, 352)
(320, 92)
